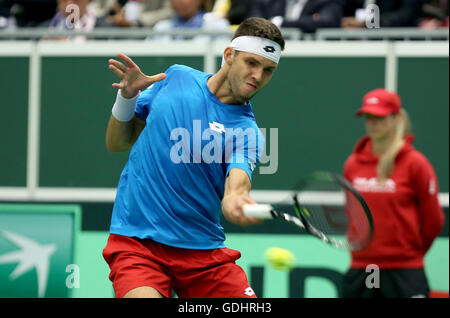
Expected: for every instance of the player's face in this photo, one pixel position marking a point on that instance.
(249, 73)
(380, 127)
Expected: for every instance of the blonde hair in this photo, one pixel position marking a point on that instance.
(387, 159)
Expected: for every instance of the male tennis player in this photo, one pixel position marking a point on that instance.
(165, 230)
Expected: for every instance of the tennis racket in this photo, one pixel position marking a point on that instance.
(327, 207)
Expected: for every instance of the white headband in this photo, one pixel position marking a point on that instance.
(257, 45)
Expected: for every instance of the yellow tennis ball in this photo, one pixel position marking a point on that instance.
(280, 258)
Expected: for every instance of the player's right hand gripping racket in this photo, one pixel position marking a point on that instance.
(329, 208)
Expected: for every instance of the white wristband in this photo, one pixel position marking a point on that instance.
(123, 109)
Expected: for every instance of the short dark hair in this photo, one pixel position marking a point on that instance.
(262, 28)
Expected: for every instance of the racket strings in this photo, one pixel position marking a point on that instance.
(359, 227)
(345, 223)
(327, 217)
(329, 208)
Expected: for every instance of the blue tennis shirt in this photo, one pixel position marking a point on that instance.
(171, 188)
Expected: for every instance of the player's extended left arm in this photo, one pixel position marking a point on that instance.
(237, 189)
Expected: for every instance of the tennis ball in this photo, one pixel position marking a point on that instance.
(280, 258)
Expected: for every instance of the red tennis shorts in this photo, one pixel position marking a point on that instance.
(189, 273)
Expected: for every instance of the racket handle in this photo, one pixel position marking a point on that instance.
(260, 211)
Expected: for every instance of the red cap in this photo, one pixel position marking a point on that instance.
(380, 102)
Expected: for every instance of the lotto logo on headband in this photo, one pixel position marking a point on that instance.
(257, 45)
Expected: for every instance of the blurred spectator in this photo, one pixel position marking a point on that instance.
(133, 13)
(25, 13)
(154, 11)
(307, 15)
(5, 15)
(66, 18)
(434, 14)
(234, 10)
(191, 14)
(400, 185)
(103, 8)
(393, 13)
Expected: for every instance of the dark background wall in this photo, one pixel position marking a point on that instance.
(310, 100)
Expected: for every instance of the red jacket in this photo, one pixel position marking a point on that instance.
(406, 212)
